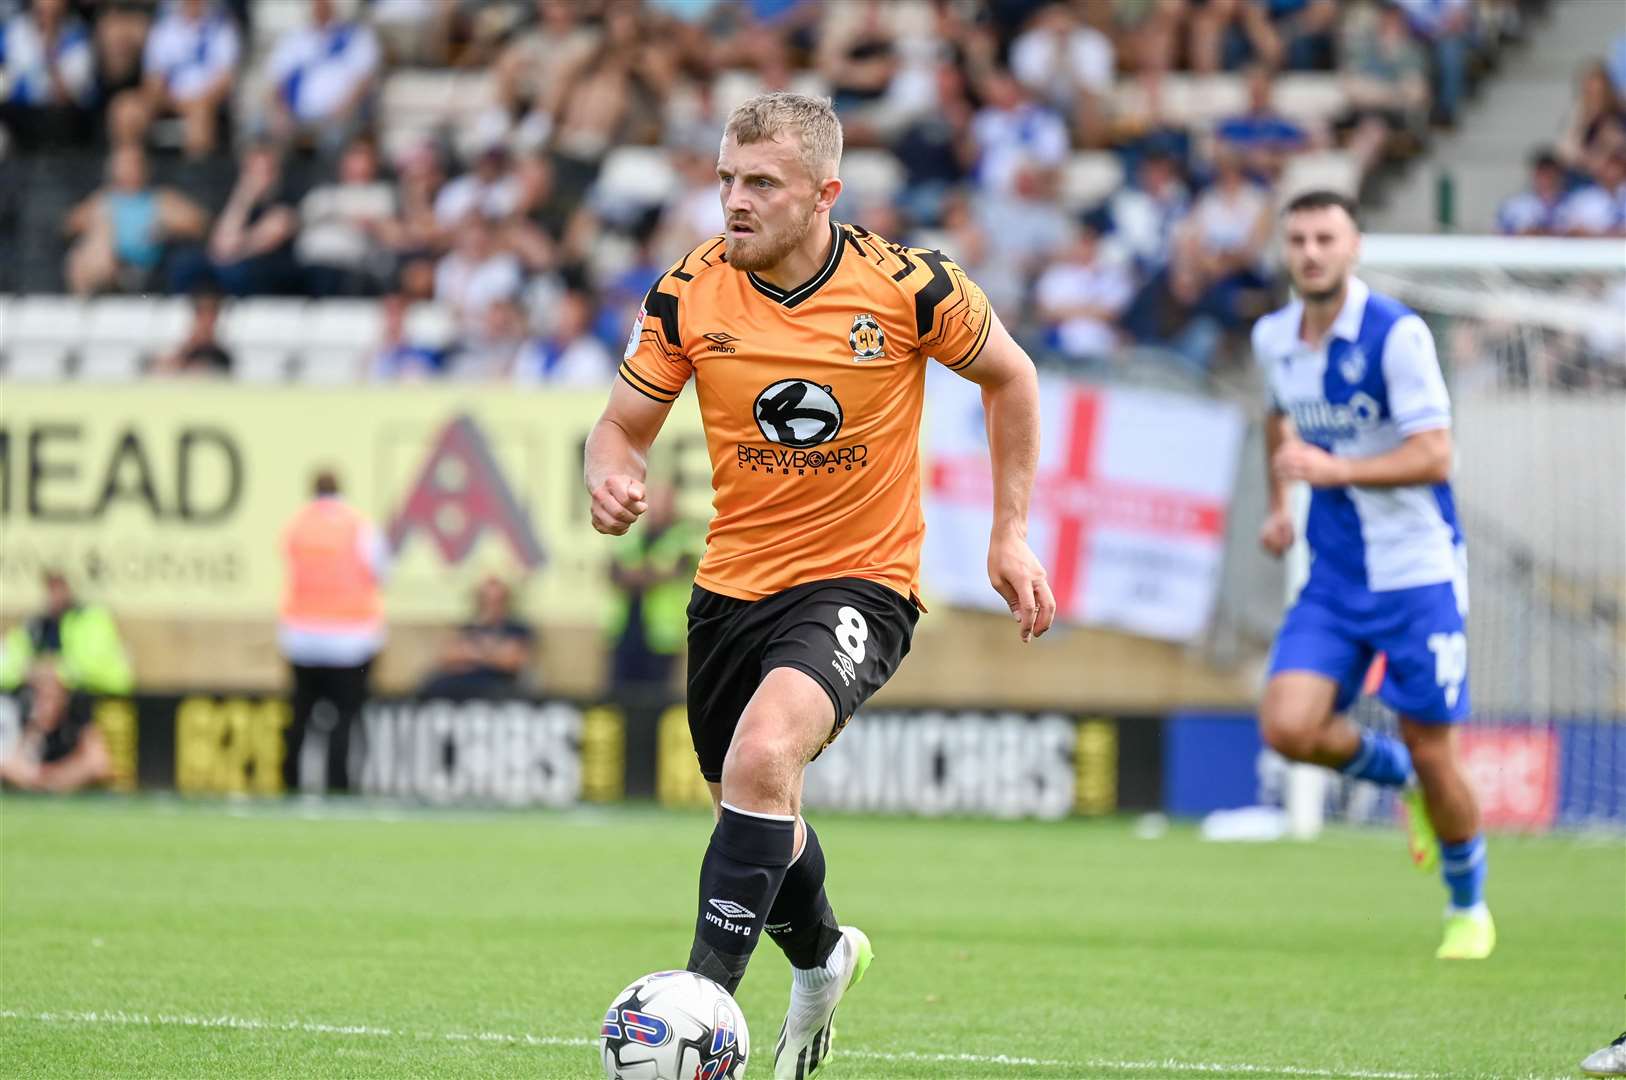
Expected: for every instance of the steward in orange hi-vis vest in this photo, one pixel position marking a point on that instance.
(812, 404)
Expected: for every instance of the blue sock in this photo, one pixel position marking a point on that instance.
(1382, 759)
(1463, 868)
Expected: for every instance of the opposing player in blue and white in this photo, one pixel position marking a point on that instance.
(1360, 413)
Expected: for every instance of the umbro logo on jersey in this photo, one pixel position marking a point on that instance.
(721, 342)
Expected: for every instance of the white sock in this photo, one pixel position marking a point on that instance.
(1478, 911)
(820, 977)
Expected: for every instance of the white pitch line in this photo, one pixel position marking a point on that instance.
(242, 1023)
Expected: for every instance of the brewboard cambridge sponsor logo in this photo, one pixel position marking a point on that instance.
(797, 416)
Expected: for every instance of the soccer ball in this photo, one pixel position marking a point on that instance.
(674, 1025)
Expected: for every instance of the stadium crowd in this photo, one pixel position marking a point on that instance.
(530, 167)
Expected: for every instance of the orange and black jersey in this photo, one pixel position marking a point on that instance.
(811, 399)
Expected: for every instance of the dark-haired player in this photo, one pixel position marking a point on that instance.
(1360, 413)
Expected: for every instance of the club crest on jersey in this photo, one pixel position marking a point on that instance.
(1353, 366)
(867, 338)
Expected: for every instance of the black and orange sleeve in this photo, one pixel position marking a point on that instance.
(655, 363)
(952, 318)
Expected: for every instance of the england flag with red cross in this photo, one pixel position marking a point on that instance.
(1129, 505)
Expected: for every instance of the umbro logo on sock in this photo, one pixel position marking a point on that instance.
(731, 911)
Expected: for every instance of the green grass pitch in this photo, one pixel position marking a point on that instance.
(158, 938)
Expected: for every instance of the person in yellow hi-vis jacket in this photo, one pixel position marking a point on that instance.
(82, 638)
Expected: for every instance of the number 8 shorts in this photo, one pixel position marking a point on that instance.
(1336, 629)
(849, 634)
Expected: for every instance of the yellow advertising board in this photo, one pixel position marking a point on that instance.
(168, 499)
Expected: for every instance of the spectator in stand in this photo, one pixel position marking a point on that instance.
(49, 74)
(191, 63)
(491, 349)
(1071, 64)
(124, 226)
(1445, 27)
(1596, 126)
(570, 354)
(1616, 66)
(201, 352)
(415, 32)
(120, 35)
(1262, 135)
(1080, 297)
(528, 74)
(420, 176)
(477, 272)
(399, 359)
(1145, 216)
(1599, 208)
(322, 76)
(1308, 27)
(992, 266)
(251, 247)
(1229, 34)
(1023, 145)
(343, 227)
(490, 655)
(857, 55)
(936, 149)
(1534, 212)
(1225, 238)
(491, 187)
(1385, 78)
(61, 749)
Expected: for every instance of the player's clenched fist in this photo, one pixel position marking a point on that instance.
(1276, 536)
(617, 503)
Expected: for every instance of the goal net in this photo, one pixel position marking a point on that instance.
(1532, 338)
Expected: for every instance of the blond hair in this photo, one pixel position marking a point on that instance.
(811, 119)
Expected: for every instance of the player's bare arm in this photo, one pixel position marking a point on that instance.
(1276, 535)
(1010, 400)
(617, 456)
(1423, 458)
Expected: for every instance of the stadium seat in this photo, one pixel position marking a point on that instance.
(636, 177)
(872, 177)
(261, 323)
(171, 319)
(55, 320)
(329, 367)
(345, 324)
(123, 319)
(1088, 178)
(37, 362)
(6, 303)
(260, 365)
(1310, 96)
(1335, 170)
(114, 362)
(431, 326)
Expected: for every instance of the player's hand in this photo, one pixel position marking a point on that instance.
(1298, 460)
(1276, 536)
(1018, 576)
(617, 503)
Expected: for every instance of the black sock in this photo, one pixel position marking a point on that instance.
(739, 878)
(800, 921)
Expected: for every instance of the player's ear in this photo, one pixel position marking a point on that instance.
(829, 192)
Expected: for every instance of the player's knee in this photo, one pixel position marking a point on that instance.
(1288, 735)
(759, 765)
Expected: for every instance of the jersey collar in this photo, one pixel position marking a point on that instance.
(791, 297)
(1347, 324)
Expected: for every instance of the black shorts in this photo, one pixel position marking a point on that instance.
(847, 633)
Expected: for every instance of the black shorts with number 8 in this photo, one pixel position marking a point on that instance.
(849, 634)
